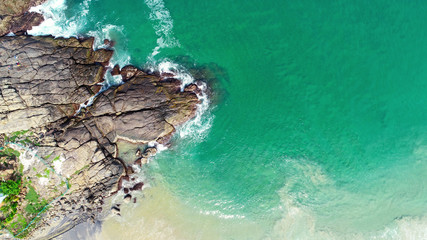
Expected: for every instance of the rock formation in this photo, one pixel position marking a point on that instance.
(43, 84)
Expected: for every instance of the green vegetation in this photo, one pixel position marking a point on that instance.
(80, 170)
(34, 204)
(12, 189)
(23, 203)
(23, 137)
(25, 232)
(13, 185)
(47, 157)
(62, 183)
(9, 153)
(13, 220)
(46, 174)
(20, 222)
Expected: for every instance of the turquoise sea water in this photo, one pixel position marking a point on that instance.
(317, 127)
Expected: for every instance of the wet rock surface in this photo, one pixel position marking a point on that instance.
(15, 18)
(44, 80)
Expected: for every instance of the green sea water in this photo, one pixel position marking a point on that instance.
(317, 126)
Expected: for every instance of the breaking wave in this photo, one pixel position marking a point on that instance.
(56, 22)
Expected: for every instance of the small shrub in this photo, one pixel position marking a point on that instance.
(11, 188)
(10, 153)
(32, 195)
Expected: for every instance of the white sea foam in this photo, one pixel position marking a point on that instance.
(406, 228)
(167, 66)
(222, 215)
(199, 126)
(56, 23)
(160, 147)
(104, 32)
(53, 13)
(112, 80)
(163, 25)
(86, 104)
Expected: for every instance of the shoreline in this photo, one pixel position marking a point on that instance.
(88, 141)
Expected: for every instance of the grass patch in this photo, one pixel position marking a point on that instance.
(35, 205)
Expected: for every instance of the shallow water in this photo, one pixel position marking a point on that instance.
(318, 129)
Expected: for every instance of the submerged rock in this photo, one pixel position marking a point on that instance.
(115, 210)
(129, 72)
(127, 198)
(137, 186)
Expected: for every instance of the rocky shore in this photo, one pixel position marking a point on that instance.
(45, 84)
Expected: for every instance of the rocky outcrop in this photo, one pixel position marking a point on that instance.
(15, 18)
(43, 84)
(17, 7)
(43, 79)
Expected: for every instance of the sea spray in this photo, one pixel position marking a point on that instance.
(404, 228)
(160, 147)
